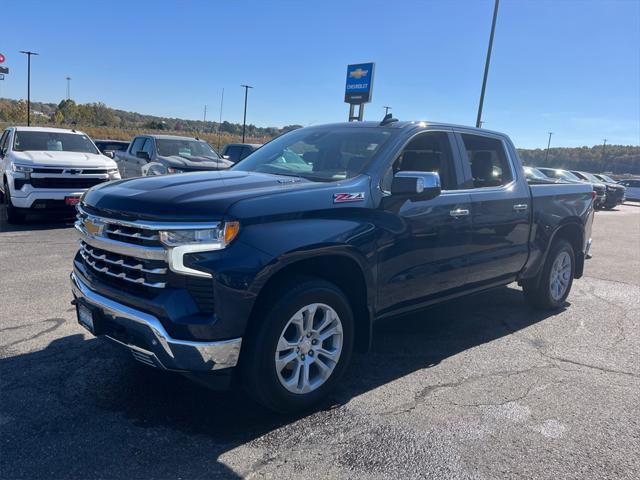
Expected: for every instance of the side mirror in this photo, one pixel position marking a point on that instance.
(143, 155)
(416, 185)
(110, 153)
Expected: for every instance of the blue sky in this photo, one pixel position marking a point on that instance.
(567, 66)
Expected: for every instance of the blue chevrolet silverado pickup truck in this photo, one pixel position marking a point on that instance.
(271, 273)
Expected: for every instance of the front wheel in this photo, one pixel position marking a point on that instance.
(556, 279)
(297, 350)
(14, 215)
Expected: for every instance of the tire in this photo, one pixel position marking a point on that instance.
(280, 385)
(554, 284)
(15, 215)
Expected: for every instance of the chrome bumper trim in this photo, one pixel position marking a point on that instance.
(587, 251)
(168, 353)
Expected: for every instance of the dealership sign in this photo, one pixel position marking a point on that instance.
(359, 83)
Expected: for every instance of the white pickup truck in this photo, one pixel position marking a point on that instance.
(48, 169)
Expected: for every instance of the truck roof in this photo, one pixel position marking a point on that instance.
(48, 129)
(168, 137)
(408, 124)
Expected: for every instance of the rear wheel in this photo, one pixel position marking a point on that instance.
(298, 349)
(14, 215)
(556, 278)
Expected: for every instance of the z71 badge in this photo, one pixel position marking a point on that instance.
(348, 197)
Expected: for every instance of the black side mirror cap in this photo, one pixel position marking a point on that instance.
(143, 155)
(416, 185)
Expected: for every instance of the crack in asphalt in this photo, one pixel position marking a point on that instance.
(57, 322)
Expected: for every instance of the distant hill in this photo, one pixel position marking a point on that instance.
(100, 121)
(67, 112)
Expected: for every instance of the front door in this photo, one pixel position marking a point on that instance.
(422, 253)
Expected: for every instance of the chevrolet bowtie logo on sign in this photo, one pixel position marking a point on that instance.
(93, 228)
(359, 83)
(359, 73)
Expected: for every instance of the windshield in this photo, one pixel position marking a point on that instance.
(591, 177)
(185, 148)
(607, 178)
(563, 174)
(320, 154)
(531, 172)
(28, 141)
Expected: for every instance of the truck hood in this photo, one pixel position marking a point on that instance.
(63, 159)
(195, 163)
(197, 196)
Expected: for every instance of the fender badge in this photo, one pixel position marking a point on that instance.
(348, 197)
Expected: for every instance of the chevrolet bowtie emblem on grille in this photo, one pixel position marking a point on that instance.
(93, 228)
(358, 73)
(72, 171)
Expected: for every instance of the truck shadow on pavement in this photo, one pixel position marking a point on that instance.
(83, 408)
(37, 222)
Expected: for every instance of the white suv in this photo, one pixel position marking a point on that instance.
(48, 169)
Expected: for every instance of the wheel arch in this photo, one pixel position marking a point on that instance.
(342, 270)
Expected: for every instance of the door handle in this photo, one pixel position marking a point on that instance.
(459, 212)
(520, 207)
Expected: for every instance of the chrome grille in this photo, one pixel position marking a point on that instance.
(122, 267)
(132, 234)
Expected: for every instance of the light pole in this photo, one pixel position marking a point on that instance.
(486, 64)
(244, 121)
(28, 54)
(220, 120)
(604, 147)
(68, 88)
(386, 110)
(548, 144)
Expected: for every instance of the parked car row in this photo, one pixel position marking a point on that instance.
(50, 168)
(609, 193)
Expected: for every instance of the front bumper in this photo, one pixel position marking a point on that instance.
(147, 339)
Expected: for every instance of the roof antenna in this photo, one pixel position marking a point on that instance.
(388, 118)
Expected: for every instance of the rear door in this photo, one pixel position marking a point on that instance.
(424, 254)
(502, 207)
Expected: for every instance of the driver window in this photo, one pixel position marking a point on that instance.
(428, 152)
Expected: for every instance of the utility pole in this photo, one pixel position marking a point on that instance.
(220, 121)
(548, 144)
(604, 148)
(244, 121)
(386, 110)
(204, 117)
(486, 64)
(28, 54)
(68, 88)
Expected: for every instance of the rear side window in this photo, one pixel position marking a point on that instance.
(488, 161)
(3, 140)
(137, 145)
(234, 152)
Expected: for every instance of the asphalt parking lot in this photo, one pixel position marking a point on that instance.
(480, 388)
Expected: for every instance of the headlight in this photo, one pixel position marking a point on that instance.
(114, 174)
(21, 168)
(215, 238)
(174, 170)
(182, 242)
